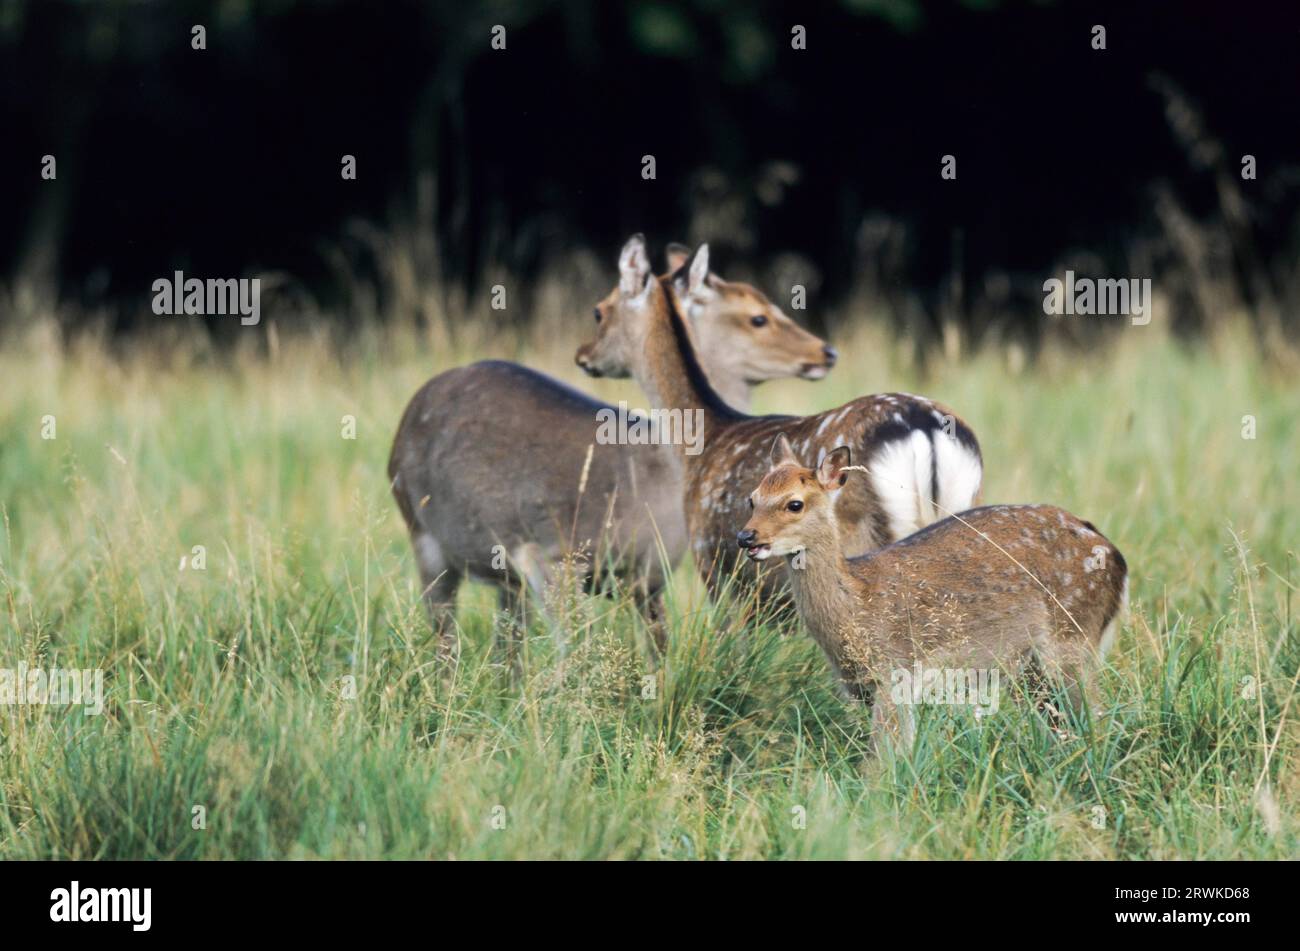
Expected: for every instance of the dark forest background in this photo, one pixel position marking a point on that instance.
(817, 165)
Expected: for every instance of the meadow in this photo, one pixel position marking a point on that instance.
(286, 701)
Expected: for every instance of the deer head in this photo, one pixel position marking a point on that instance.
(793, 506)
(739, 332)
(622, 317)
(740, 337)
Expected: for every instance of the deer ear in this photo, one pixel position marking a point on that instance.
(783, 452)
(678, 255)
(699, 273)
(831, 474)
(633, 266)
(690, 275)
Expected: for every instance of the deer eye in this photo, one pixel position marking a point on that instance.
(758, 320)
(597, 311)
(794, 505)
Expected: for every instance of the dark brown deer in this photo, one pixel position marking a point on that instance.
(501, 473)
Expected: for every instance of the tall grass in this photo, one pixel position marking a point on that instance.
(227, 688)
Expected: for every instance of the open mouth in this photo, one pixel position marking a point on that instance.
(814, 371)
(759, 552)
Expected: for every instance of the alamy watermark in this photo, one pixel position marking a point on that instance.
(55, 687)
(946, 686)
(215, 296)
(77, 904)
(657, 427)
(1128, 297)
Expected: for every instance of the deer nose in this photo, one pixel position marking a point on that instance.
(583, 359)
(746, 538)
(831, 355)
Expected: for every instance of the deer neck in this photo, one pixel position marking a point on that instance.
(736, 393)
(831, 605)
(726, 381)
(673, 378)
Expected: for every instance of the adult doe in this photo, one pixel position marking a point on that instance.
(993, 587)
(500, 475)
(922, 460)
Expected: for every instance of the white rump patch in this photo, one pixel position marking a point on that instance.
(960, 474)
(900, 474)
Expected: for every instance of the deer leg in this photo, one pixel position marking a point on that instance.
(889, 720)
(651, 604)
(1069, 668)
(538, 573)
(439, 583)
(1079, 673)
(530, 566)
(509, 630)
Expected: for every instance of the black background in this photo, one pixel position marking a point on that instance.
(226, 161)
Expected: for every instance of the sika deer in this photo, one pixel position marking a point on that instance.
(490, 470)
(922, 459)
(989, 588)
(741, 336)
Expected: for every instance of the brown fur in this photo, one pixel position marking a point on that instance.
(734, 353)
(990, 588)
(493, 454)
(641, 332)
